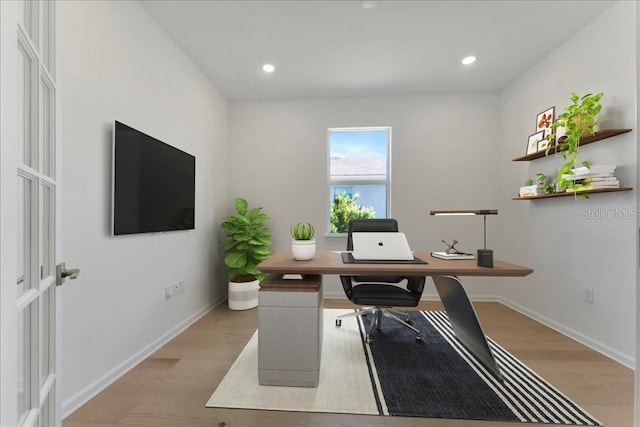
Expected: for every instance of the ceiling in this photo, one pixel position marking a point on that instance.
(342, 49)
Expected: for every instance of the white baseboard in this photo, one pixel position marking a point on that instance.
(601, 348)
(72, 404)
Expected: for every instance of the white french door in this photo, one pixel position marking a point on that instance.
(28, 124)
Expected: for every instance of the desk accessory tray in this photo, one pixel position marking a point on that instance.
(348, 258)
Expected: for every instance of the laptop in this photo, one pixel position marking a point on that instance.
(377, 246)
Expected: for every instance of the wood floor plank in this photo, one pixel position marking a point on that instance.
(170, 388)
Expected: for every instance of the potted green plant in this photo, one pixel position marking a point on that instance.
(547, 185)
(248, 242)
(303, 245)
(578, 120)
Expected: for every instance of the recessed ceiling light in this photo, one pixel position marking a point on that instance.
(469, 60)
(268, 68)
(369, 4)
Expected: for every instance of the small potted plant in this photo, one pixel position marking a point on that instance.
(578, 120)
(247, 245)
(303, 245)
(547, 185)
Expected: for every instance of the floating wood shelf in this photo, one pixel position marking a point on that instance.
(576, 194)
(599, 135)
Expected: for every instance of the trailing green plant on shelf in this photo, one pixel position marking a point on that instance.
(248, 242)
(579, 119)
(302, 231)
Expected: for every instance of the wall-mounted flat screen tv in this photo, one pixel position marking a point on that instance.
(153, 187)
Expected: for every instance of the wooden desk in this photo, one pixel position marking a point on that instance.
(327, 262)
(445, 274)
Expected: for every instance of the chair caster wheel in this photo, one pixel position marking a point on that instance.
(369, 340)
(407, 320)
(419, 338)
(338, 322)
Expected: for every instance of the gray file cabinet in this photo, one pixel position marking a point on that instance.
(290, 331)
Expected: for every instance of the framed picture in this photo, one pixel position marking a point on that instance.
(544, 120)
(536, 142)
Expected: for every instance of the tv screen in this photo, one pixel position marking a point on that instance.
(153, 184)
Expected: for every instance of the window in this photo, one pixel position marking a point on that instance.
(359, 175)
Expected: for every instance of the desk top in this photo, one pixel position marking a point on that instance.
(328, 262)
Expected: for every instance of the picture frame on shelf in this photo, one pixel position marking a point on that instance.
(536, 142)
(544, 121)
(560, 135)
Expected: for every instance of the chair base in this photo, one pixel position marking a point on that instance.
(378, 312)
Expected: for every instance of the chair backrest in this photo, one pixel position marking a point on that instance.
(367, 225)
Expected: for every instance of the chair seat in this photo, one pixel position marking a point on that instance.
(383, 296)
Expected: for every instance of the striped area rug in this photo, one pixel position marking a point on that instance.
(440, 378)
(397, 376)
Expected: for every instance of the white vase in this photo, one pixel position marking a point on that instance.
(303, 250)
(243, 295)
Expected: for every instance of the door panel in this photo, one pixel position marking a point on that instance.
(24, 365)
(29, 140)
(24, 208)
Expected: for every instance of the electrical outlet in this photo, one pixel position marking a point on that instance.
(588, 295)
(175, 288)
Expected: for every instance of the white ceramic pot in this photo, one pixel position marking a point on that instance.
(303, 250)
(243, 295)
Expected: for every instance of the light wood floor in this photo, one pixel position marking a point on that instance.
(170, 388)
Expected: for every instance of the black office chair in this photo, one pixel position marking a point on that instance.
(380, 292)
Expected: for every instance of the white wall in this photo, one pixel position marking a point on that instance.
(443, 157)
(117, 64)
(568, 251)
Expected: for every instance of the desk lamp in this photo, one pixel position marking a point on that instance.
(485, 256)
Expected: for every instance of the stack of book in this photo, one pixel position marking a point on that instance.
(531, 190)
(594, 177)
(455, 255)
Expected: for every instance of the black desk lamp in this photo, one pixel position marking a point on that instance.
(485, 256)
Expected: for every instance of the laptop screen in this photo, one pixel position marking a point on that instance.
(381, 246)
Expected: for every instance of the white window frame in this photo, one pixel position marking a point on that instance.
(357, 180)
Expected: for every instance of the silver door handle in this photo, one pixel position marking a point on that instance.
(62, 272)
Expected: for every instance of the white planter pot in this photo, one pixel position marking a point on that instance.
(303, 250)
(243, 295)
